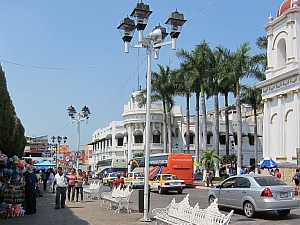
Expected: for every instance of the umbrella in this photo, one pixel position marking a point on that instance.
(226, 165)
(268, 163)
(248, 166)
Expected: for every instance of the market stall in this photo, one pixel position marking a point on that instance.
(12, 191)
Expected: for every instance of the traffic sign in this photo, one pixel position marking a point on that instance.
(78, 154)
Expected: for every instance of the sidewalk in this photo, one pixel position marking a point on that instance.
(89, 212)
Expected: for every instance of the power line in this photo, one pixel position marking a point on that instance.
(61, 68)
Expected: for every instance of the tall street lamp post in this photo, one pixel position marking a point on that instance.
(58, 140)
(152, 42)
(83, 116)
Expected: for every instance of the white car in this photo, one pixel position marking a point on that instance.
(166, 182)
(134, 180)
(110, 177)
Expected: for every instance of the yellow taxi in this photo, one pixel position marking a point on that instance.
(166, 182)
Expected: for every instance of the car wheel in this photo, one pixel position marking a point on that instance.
(160, 191)
(283, 212)
(179, 191)
(249, 210)
(211, 199)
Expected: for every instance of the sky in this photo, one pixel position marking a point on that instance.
(61, 53)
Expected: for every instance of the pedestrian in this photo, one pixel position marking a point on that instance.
(242, 171)
(277, 173)
(51, 181)
(30, 192)
(71, 185)
(38, 183)
(79, 185)
(296, 179)
(208, 178)
(61, 188)
(44, 179)
(118, 182)
(272, 172)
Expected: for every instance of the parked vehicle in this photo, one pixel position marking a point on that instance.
(109, 178)
(166, 182)
(255, 193)
(113, 165)
(134, 180)
(180, 164)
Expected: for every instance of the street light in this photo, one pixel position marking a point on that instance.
(83, 116)
(58, 140)
(152, 42)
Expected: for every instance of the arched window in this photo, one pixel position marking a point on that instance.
(156, 136)
(138, 136)
(281, 52)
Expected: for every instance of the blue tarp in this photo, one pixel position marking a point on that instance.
(44, 164)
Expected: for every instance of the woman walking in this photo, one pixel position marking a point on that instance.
(296, 179)
(71, 185)
(78, 185)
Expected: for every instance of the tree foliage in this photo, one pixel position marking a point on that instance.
(12, 139)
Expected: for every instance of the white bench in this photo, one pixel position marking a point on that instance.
(91, 191)
(119, 197)
(182, 213)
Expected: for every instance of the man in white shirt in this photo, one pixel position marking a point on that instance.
(61, 188)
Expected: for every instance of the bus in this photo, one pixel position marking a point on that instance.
(111, 165)
(172, 163)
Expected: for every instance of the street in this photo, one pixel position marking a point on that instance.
(200, 196)
(91, 212)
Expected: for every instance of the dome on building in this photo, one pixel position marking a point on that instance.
(287, 4)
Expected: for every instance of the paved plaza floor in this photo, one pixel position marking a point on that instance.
(86, 213)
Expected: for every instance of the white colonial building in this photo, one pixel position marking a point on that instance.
(280, 90)
(127, 137)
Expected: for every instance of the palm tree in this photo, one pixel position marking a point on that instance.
(214, 80)
(252, 96)
(226, 86)
(198, 63)
(207, 159)
(183, 82)
(163, 89)
(243, 67)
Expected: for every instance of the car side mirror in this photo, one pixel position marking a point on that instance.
(218, 186)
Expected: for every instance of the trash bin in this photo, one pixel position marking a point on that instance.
(141, 200)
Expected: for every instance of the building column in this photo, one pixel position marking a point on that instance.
(296, 113)
(281, 127)
(267, 128)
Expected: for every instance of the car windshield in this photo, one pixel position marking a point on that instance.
(269, 181)
(169, 177)
(113, 175)
(138, 174)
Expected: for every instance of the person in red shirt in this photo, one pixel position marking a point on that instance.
(119, 181)
(277, 173)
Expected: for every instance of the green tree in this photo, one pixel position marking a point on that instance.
(139, 154)
(252, 96)
(183, 84)
(242, 68)
(12, 139)
(207, 159)
(198, 61)
(163, 89)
